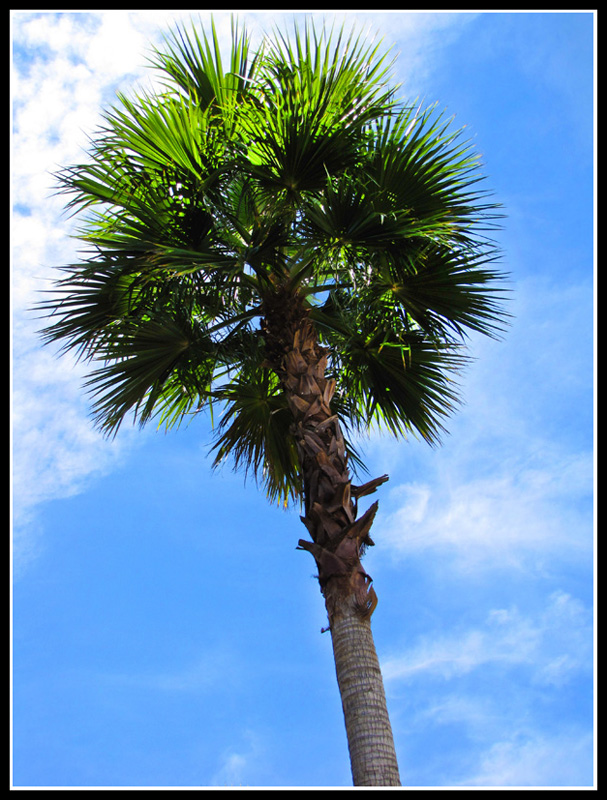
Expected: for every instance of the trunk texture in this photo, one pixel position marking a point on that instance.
(370, 741)
(338, 537)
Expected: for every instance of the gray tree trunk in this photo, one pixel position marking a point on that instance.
(370, 741)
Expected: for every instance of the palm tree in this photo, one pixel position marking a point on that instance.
(284, 240)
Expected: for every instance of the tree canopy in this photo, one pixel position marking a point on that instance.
(294, 171)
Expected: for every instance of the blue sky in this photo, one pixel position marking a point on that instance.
(166, 632)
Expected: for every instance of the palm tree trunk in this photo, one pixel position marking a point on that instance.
(372, 754)
(338, 537)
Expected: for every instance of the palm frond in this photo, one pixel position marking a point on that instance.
(193, 62)
(254, 433)
(408, 386)
(392, 374)
(85, 305)
(315, 97)
(140, 358)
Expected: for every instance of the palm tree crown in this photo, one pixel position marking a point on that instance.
(289, 179)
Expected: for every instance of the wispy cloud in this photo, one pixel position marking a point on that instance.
(519, 516)
(498, 694)
(554, 644)
(503, 743)
(56, 450)
(217, 667)
(563, 758)
(64, 66)
(239, 766)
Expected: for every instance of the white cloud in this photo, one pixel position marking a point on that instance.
(56, 443)
(56, 450)
(58, 84)
(239, 766)
(116, 48)
(506, 744)
(564, 758)
(496, 689)
(518, 516)
(554, 643)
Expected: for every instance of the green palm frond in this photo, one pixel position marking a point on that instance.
(390, 373)
(315, 98)
(85, 304)
(192, 61)
(254, 433)
(451, 291)
(408, 386)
